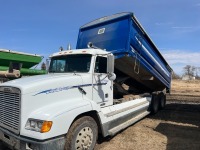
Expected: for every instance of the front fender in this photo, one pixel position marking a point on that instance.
(61, 113)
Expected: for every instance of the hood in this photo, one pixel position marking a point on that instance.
(41, 83)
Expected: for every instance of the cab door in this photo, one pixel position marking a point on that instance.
(102, 86)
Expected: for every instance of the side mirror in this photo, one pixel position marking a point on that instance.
(111, 76)
(110, 67)
(110, 63)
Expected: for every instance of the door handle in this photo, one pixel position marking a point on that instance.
(82, 90)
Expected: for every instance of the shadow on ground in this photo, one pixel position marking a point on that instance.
(180, 123)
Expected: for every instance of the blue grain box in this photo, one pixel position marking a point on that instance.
(136, 56)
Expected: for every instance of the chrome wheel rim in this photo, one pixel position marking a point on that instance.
(84, 139)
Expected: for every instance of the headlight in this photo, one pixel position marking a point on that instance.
(38, 125)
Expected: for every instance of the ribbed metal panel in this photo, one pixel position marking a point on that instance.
(10, 99)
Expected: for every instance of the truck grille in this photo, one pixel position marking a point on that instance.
(10, 99)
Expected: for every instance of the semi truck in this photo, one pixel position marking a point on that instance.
(115, 77)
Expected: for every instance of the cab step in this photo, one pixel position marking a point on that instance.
(124, 125)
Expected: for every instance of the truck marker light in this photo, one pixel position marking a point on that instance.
(46, 126)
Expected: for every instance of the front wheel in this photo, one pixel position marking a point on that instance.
(82, 135)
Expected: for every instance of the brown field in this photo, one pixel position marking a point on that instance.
(186, 87)
(177, 127)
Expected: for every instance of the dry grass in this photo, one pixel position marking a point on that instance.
(186, 87)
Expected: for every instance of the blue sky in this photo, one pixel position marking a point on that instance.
(42, 26)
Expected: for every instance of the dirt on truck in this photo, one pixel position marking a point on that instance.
(175, 127)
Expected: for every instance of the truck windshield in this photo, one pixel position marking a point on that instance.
(70, 63)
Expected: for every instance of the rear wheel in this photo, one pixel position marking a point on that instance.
(162, 100)
(154, 104)
(82, 135)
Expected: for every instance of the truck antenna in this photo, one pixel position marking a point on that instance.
(69, 47)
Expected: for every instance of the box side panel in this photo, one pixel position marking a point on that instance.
(147, 52)
(112, 36)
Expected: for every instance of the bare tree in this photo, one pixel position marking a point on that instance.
(197, 72)
(43, 66)
(175, 76)
(189, 70)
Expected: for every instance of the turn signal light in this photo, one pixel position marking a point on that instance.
(46, 126)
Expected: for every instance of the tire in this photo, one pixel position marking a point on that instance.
(162, 101)
(154, 104)
(82, 135)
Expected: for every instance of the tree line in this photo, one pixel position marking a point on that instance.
(190, 71)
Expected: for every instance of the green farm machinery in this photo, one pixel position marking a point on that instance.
(17, 64)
